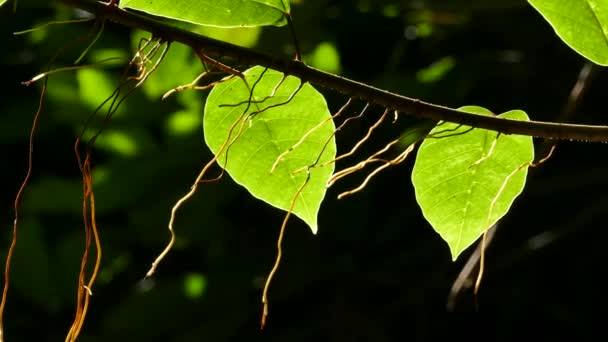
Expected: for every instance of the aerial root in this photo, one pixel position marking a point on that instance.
(397, 160)
(251, 101)
(492, 205)
(147, 74)
(16, 203)
(51, 23)
(308, 133)
(277, 261)
(91, 232)
(68, 68)
(219, 65)
(199, 179)
(192, 85)
(85, 287)
(365, 138)
(487, 155)
(362, 164)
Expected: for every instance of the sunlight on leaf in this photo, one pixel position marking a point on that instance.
(582, 24)
(266, 135)
(241, 36)
(456, 179)
(125, 142)
(2, 2)
(95, 86)
(233, 13)
(194, 285)
(110, 56)
(325, 57)
(120, 142)
(435, 71)
(183, 122)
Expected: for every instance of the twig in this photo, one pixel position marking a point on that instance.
(352, 88)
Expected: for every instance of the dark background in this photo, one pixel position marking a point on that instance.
(376, 271)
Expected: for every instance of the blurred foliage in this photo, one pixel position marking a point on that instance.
(377, 272)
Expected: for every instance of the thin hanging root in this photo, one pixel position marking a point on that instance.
(88, 209)
(16, 203)
(399, 159)
(199, 179)
(277, 261)
(364, 139)
(463, 280)
(372, 159)
(492, 205)
(342, 125)
(221, 66)
(50, 23)
(307, 134)
(88, 205)
(436, 134)
(490, 152)
(99, 32)
(289, 99)
(158, 61)
(69, 68)
(249, 101)
(192, 85)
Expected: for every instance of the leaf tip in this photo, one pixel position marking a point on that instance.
(313, 228)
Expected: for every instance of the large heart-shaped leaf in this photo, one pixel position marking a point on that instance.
(582, 24)
(221, 13)
(292, 115)
(458, 180)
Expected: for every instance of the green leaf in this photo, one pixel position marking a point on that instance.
(325, 57)
(456, 179)
(227, 13)
(2, 2)
(269, 133)
(582, 24)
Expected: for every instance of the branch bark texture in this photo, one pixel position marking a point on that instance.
(346, 86)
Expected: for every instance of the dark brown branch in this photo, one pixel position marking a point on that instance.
(349, 87)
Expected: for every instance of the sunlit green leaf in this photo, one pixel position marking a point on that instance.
(95, 86)
(435, 71)
(325, 57)
(457, 180)
(232, 13)
(2, 2)
(194, 285)
(269, 133)
(582, 24)
(242, 36)
(183, 122)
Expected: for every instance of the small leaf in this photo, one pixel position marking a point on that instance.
(456, 179)
(232, 13)
(582, 24)
(2, 2)
(268, 134)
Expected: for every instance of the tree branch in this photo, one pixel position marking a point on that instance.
(349, 87)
